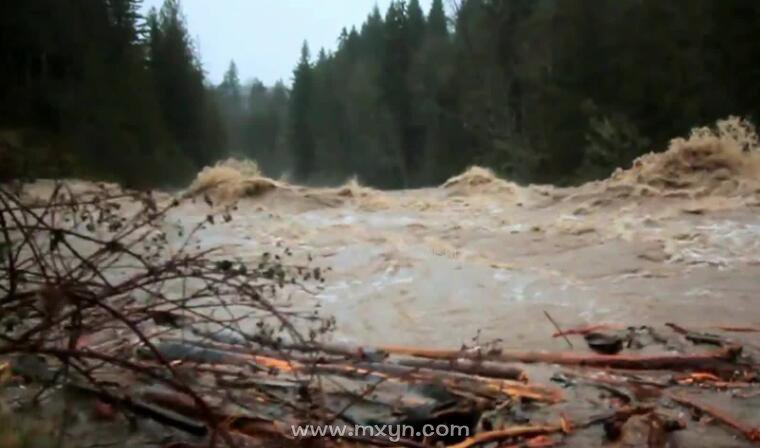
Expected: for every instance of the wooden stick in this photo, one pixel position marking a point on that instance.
(751, 433)
(168, 417)
(730, 328)
(477, 384)
(194, 354)
(698, 338)
(586, 329)
(215, 352)
(677, 362)
(472, 367)
(559, 330)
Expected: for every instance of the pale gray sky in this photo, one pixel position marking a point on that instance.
(264, 37)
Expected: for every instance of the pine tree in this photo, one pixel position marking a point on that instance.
(230, 87)
(190, 115)
(372, 35)
(231, 108)
(436, 21)
(415, 25)
(302, 139)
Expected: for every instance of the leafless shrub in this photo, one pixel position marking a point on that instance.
(93, 282)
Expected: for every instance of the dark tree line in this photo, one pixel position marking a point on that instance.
(91, 89)
(540, 90)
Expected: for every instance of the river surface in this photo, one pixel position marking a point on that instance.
(480, 259)
(446, 266)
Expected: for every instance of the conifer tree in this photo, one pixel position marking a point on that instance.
(231, 108)
(190, 115)
(302, 139)
(436, 20)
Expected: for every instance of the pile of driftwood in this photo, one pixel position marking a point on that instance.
(578, 398)
(99, 298)
(256, 390)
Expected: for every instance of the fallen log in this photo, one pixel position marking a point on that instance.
(168, 417)
(303, 357)
(736, 329)
(749, 432)
(718, 361)
(703, 379)
(473, 367)
(476, 384)
(178, 351)
(698, 338)
(610, 385)
(216, 353)
(512, 389)
(678, 362)
(330, 348)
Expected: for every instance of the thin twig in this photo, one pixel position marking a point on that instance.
(559, 330)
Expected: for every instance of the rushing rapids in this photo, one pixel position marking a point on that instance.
(674, 235)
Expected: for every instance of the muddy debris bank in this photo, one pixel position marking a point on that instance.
(622, 312)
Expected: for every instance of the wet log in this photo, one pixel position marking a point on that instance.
(736, 329)
(699, 338)
(219, 353)
(704, 361)
(474, 367)
(305, 358)
(179, 351)
(703, 379)
(183, 351)
(145, 409)
(749, 432)
(491, 387)
(330, 348)
(717, 360)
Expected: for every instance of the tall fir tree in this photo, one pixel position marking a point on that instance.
(189, 112)
(436, 20)
(302, 138)
(231, 108)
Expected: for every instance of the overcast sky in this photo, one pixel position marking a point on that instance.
(264, 37)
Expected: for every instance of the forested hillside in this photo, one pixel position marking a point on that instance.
(91, 89)
(540, 90)
(556, 91)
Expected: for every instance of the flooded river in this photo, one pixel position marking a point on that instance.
(484, 258)
(673, 239)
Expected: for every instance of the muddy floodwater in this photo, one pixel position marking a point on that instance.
(485, 258)
(674, 239)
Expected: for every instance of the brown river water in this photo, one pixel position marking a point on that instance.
(440, 266)
(676, 237)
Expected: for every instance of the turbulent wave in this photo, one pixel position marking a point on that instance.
(723, 160)
(720, 161)
(232, 179)
(479, 180)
